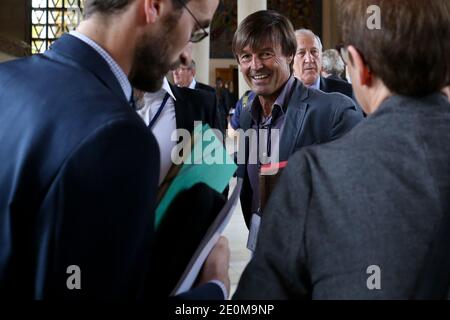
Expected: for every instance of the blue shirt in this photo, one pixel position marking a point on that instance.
(316, 85)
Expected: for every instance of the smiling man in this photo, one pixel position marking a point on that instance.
(264, 46)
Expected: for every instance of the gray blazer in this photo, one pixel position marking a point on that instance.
(376, 197)
(312, 117)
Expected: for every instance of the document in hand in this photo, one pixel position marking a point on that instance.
(206, 161)
(209, 240)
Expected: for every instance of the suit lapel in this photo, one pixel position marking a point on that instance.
(71, 50)
(294, 121)
(323, 85)
(183, 115)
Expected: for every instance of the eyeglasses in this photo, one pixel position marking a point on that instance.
(200, 33)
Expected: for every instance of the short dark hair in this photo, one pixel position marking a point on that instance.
(410, 52)
(108, 7)
(262, 26)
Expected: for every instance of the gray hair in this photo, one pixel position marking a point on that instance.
(332, 62)
(309, 33)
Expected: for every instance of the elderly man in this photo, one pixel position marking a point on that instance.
(308, 65)
(264, 46)
(184, 76)
(367, 216)
(79, 170)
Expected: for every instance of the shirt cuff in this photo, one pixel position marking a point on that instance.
(222, 286)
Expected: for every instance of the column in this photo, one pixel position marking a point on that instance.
(245, 8)
(330, 28)
(200, 54)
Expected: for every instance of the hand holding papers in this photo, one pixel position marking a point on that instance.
(190, 202)
(209, 240)
(180, 232)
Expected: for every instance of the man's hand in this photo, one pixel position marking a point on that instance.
(217, 264)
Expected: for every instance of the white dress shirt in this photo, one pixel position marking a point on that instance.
(192, 84)
(164, 126)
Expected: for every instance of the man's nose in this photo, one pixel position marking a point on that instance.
(256, 63)
(309, 57)
(186, 54)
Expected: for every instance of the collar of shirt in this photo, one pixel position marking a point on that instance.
(166, 87)
(278, 108)
(316, 85)
(115, 68)
(192, 85)
(152, 96)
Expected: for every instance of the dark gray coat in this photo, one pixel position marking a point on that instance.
(375, 197)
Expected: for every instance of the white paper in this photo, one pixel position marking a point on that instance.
(208, 242)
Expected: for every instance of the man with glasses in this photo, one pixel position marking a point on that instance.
(76, 203)
(368, 216)
(308, 65)
(184, 76)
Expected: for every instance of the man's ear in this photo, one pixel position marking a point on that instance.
(153, 10)
(360, 67)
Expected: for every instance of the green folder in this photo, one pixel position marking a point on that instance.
(207, 162)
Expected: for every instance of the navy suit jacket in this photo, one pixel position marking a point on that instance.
(73, 190)
(312, 117)
(196, 105)
(205, 87)
(334, 85)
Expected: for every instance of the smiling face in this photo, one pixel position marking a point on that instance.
(308, 60)
(266, 70)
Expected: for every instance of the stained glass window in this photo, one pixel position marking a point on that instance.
(50, 19)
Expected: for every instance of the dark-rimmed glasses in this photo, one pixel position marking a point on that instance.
(200, 33)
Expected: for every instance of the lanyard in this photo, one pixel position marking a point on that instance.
(268, 150)
(269, 140)
(158, 113)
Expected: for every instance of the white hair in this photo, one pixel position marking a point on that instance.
(332, 62)
(309, 33)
